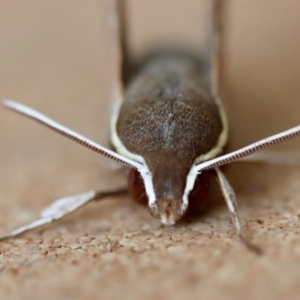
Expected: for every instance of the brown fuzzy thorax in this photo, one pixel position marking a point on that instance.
(168, 109)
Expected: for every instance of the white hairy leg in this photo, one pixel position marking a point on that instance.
(61, 208)
(230, 199)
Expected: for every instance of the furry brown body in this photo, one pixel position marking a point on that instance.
(170, 118)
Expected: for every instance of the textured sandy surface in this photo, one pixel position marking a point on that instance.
(54, 55)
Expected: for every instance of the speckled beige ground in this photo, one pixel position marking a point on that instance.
(54, 55)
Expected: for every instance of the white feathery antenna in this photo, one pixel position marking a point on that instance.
(248, 150)
(35, 115)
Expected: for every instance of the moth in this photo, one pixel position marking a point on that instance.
(169, 128)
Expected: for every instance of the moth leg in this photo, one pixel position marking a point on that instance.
(230, 199)
(61, 208)
(119, 45)
(289, 158)
(214, 43)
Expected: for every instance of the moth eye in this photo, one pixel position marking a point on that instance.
(200, 190)
(136, 187)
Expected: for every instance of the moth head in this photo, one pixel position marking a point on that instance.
(168, 192)
(141, 189)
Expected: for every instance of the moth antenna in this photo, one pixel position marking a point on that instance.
(289, 158)
(35, 115)
(248, 150)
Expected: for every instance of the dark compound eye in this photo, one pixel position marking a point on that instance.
(136, 187)
(200, 190)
